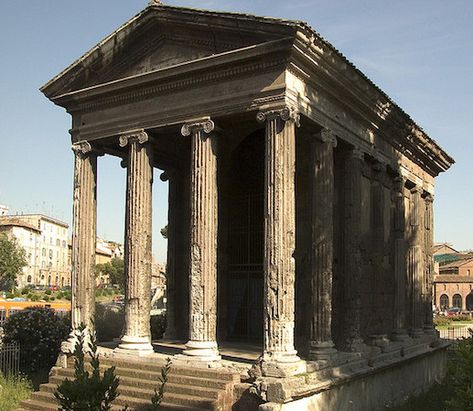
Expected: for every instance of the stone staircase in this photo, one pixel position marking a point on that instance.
(188, 388)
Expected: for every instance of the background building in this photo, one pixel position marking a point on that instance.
(45, 242)
(3, 210)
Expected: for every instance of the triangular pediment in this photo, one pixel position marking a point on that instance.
(161, 37)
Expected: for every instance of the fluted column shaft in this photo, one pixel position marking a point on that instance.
(203, 251)
(279, 240)
(84, 235)
(321, 344)
(352, 257)
(171, 177)
(429, 268)
(400, 280)
(138, 244)
(415, 263)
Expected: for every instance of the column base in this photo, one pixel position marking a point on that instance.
(357, 345)
(282, 364)
(205, 351)
(138, 345)
(416, 332)
(322, 350)
(400, 335)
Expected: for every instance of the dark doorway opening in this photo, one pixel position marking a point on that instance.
(244, 319)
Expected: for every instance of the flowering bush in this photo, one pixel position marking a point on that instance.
(39, 332)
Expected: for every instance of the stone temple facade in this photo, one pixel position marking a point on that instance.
(300, 203)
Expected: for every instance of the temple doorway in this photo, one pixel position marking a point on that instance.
(244, 274)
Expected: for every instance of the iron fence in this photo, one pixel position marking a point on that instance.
(10, 359)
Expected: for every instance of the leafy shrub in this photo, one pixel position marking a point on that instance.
(34, 297)
(108, 322)
(40, 333)
(460, 372)
(29, 296)
(67, 295)
(48, 292)
(461, 317)
(46, 298)
(59, 295)
(87, 391)
(158, 326)
(25, 290)
(442, 320)
(9, 294)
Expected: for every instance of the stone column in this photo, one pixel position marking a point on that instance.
(400, 281)
(203, 252)
(352, 258)
(321, 344)
(415, 264)
(138, 252)
(429, 266)
(84, 235)
(279, 356)
(170, 333)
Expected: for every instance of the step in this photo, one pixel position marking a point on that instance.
(209, 373)
(145, 389)
(129, 383)
(154, 377)
(38, 405)
(179, 399)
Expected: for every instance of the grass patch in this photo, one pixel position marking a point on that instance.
(12, 391)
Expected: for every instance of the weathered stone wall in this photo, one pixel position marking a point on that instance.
(374, 390)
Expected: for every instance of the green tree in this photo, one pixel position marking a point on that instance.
(12, 261)
(115, 269)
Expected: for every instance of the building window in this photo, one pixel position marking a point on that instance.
(467, 272)
(58, 242)
(457, 301)
(444, 287)
(50, 253)
(44, 252)
(443, 301)
(28, 279)
(49, 280)
(64, 243)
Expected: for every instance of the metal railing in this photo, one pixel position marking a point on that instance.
(455, 333)
(10, 359)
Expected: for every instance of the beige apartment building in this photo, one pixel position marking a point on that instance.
(45, 242)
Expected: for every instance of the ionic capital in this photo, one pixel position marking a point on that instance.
(206, 125)
(416, 189)
(139, 136)
(399, 183)
(84, 148)
(357, 153)
(327, 136)
(429, 198)
(287, 113)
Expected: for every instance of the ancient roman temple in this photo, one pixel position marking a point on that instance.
(300, 208)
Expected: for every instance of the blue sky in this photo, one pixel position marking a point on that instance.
(419, 52)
